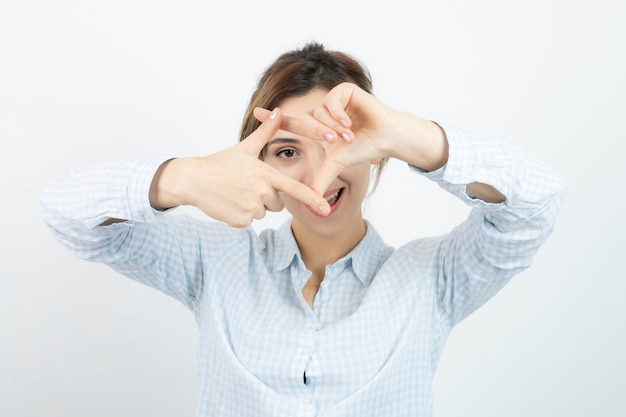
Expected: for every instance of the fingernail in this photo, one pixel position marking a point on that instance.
(345, 137)
(345, 122)
(274, 114)
(329, 136)
(324, 209)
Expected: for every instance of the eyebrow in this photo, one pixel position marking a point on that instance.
(282, 140)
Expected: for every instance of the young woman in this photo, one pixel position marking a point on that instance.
(319, 317)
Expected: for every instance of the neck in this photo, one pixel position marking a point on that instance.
(319, 250)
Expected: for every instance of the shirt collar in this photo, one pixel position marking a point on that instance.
(285, 247)
(369, 255)
(365, 259)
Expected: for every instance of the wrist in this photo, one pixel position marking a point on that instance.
(419, 142)
(166, 188)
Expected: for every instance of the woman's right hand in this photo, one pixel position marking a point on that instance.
(371, 132)
(233, 186)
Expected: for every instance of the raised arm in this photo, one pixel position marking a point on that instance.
(373, 131)
(500, 237)
(515, 198)
(111, 213)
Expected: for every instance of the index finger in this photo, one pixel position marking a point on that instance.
(300, 192)
(308, 126)
(264, 133)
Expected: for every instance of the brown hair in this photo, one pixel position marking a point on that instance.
(296, 73)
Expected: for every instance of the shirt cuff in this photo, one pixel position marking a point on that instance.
(119, 191)
(138, 191)
(472, 158)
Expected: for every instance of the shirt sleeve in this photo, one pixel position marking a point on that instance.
(497, 241)
(169, 253)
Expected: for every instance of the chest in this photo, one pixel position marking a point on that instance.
(341, 343)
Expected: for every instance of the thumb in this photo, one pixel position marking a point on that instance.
(326, 175)
(263, 134)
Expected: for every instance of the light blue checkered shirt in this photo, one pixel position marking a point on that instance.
(371, 343)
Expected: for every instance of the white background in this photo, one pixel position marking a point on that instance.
(86, 81)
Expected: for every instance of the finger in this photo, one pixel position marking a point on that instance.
(305, 125)
(322, 115)
(259, 214)
(300, 192)
(326, 175)
(320, 125)
(337, 100)
(274, 202)
(264, 133)
(262, 114)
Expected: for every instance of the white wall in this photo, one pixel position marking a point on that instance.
(86, 81)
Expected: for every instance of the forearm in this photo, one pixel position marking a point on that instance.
(160, 195)
(423, 144)
(499, 239)
(90, 195)
(417, 141)
(498, 177)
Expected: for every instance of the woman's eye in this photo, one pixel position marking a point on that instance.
(286, 153)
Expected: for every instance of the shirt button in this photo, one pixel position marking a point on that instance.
(307, 401)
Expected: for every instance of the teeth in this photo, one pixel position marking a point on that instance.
(333, 195)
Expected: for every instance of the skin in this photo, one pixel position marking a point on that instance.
(326, 142)
(321, 240)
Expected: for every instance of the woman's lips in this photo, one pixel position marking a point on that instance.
(333, 196)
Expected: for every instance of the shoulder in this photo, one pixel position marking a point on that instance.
(211, 236)
(422, 252)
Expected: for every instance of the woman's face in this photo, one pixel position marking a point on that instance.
(301, 158)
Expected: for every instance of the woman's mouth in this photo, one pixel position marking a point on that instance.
(333, 197)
